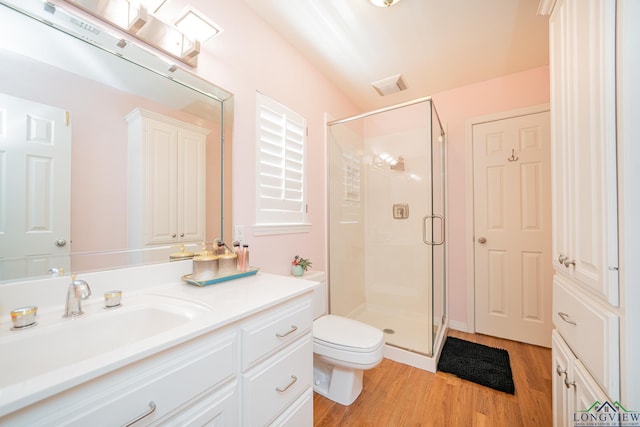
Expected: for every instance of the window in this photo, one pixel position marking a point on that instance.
(281, 134)
(351, 173)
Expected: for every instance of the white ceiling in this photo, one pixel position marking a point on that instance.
(435, 44)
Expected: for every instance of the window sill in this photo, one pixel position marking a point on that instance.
(269, 229)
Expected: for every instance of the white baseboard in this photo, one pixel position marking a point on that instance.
(458, 326)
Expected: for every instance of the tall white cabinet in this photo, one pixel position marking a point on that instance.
(166, 175)
(593, 348)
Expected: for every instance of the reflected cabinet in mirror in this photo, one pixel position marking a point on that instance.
(110, 155)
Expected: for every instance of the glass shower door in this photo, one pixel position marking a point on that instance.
(384, 233)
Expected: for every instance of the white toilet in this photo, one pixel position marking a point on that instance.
(342, 349)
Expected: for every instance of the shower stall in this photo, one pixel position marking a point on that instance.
(387, 240)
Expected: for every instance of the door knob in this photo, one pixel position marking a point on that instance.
(482, 240)
(60, 243)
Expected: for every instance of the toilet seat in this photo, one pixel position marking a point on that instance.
(347, 342)
(348, 334)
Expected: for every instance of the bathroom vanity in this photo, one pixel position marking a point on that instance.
(234, 353)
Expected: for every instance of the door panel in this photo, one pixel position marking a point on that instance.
(35, 144)
(512, 226)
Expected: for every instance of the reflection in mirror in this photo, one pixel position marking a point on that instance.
(66, 163)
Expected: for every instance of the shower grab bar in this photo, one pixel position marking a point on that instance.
(424, 229)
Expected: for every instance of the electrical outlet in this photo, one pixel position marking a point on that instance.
(238, 233)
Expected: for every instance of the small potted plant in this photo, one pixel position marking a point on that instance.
(300, 265)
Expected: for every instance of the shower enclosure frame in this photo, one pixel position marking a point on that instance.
(422, 360)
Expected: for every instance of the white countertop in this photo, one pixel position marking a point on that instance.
(228, 302)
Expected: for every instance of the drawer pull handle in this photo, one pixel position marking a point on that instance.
(566, 318)
(285, 388)
(151, 410)
(290, 331)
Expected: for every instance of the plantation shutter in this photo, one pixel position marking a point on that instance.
(281, 140)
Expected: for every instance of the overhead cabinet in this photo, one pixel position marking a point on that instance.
(166, 180)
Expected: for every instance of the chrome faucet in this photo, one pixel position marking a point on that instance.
(78, 290)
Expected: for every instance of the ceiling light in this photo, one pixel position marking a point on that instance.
(384, 3)
(196, 26)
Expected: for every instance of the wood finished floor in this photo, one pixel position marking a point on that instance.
(399, 395)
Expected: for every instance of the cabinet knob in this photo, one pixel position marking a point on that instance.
(567, 262)
(174, 235)
(560, 371)
(482, 240)
(561, 259)
(181, 234)
(567, 383)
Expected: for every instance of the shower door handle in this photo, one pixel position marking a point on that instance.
(424, 229)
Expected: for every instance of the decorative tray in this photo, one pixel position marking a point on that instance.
(250, 272)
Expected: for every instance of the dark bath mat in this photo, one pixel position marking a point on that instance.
(479, 363)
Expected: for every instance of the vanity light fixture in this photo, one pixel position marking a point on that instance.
(196, 26)
(132, 17)
(384, 3)
(152, 5)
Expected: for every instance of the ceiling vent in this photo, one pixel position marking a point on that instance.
(389, 85)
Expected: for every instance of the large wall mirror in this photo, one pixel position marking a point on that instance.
(66, 86)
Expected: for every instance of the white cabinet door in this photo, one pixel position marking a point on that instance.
(574, 389)
(584, 146)
(161, 186)
(191, 186)
(167, 160)
(561, 358)
(587, 391)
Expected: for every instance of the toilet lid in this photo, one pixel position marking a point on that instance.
(336, 330)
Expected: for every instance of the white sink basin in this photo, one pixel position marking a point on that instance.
(58, 343)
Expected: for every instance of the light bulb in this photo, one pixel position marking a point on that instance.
(384, 3)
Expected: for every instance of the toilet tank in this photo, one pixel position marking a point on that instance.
(320, 294)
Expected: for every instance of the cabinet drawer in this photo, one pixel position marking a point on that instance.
(217, 408)
(300, 414)
(272, 386)
(169, 379)
(271, 331)
(591, 331)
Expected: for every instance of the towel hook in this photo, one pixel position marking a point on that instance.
(513, 157)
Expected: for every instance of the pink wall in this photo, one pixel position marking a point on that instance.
(248, 57)
(518, 90)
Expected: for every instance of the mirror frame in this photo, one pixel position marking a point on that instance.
(62, 19)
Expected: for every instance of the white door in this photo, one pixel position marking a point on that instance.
(35, 187)
(512, 228)
(191, 185)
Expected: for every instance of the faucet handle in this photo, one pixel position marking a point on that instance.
(24, 317)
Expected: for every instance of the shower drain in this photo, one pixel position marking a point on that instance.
(388, 331)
